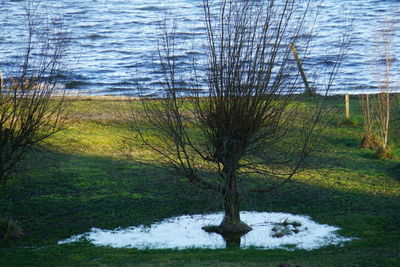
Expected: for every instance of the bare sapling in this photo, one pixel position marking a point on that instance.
(32, 104)
(377, 107)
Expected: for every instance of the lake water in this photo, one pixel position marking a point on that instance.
(114, 41)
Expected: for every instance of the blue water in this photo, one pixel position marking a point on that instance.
(114, 42)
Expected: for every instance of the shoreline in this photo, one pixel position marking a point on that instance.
(84, 97)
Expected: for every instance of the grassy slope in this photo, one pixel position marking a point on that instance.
(78, 180)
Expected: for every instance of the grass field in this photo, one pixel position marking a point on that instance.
(78, 179)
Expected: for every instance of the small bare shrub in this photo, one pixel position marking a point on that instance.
(9, 228)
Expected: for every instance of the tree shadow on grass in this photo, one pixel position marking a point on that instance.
(56, 195)
(343, 152)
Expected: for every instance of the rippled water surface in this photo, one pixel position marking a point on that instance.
(114, 41)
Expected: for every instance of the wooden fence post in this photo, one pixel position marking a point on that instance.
(308, 90)
(347, 100)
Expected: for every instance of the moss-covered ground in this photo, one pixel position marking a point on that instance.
(78, 179)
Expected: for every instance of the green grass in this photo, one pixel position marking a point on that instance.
(78, 179)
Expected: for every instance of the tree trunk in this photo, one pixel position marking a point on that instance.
(231, 227)
(231, 224)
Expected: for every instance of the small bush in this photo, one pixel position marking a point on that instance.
(9, 228)
(348, 122)
(370, 141)
(382, 153)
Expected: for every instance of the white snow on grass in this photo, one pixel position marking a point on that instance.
(185, 232)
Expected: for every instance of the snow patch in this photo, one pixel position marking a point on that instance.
(185, 231)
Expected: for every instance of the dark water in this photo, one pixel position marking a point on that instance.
(114, 41)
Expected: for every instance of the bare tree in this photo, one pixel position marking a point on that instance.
(377, 107)
(250, 130)
(32, 104)
(369, 139)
